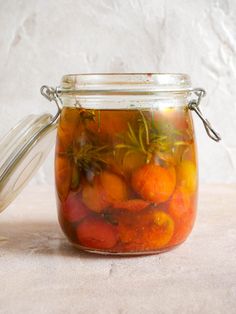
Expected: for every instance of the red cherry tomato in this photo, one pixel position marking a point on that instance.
(95, 232)
(73, 208)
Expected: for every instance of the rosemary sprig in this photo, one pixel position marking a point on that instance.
(86, 158)
(145, 124)
(163, 140)
(132, 141)
(89, 156)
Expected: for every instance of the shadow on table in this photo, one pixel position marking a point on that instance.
(36, 238)
(39, 238)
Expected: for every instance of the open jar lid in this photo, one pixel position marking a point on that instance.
(22, 152)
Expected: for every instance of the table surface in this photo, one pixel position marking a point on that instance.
(42, 273)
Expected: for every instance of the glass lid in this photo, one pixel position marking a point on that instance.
(22, 151)
(128, 82)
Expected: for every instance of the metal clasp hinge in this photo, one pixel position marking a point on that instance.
(51, 94)
(194, 105)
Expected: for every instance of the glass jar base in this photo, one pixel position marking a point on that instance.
(131, 253)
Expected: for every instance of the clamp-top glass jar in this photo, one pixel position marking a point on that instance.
(125, 163)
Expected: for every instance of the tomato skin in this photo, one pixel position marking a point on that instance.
(93, 198)
(95, 232)
(107, 127)
(179, 203)
(187, 175)
(73, 208)
(63, 176)
(69, 117)
(146, 231)
(183, 227)
(65, 137)
(114, 186)
(154, 183)
(182, 209)
(161, 231)
(133, 205)
(105, 189)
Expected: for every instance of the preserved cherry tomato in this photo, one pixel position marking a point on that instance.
(63, 176)
(154, 183)
(187, 175)
(96, 233)
(134, 205)
(73, 208)
(150, 230)
(179, 203)
(182, 210)
(105, 189)
(108, 127)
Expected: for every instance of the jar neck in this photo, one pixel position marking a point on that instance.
(126, 101)
(127, 90)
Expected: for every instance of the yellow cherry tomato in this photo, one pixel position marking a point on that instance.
(187, 175)
(161, 231)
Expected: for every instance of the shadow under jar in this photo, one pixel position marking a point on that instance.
(125, 162)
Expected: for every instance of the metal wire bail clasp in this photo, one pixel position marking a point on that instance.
(51, 94)
(194, 105)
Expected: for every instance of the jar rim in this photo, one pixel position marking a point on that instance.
(126, 83)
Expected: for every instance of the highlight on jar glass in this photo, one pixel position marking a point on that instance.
(125, 161)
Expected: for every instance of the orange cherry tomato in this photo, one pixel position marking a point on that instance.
(63, 170)
(68, 125)
(95, 232)
(93, 196)
(108, 127)
(134, 205)
(154, 183)
(106, 189)
(147, 231)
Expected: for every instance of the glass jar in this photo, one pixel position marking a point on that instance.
(125, 160)
(125, 163)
